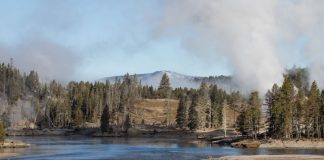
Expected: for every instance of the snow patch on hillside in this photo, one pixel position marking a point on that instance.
(180, 80)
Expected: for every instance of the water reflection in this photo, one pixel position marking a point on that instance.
(132, 148)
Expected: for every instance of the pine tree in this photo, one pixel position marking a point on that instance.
(78, 117)
(32, 82)
(248, 122)
(2, 132)
(299, 113)
(164, 89)
(217, 98)
(322, 113)
(181, 117)
(193, 114)
(242, 122)
(127, 123)
(286, 106)
(204, 106)
(313, 112)
(254, 113)
(105, 119)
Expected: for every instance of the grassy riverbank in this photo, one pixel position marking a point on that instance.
(8, 155)
(309, 143)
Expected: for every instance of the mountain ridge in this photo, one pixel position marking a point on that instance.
(179, 80)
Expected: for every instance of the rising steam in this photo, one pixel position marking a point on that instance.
(249, 34)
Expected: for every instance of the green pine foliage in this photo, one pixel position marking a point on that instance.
(248, 122)
(313, 112)
(204, 106)
(164, 90)
(181, 117)
(127, 123)
(193, 114)
(322, 114)
(295, 108)
(217, 98)
(2, 132)
(105, 119)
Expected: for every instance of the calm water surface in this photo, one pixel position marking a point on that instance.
(59, 148)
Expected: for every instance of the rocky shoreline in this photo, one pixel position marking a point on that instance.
(271, 157)
(8, 143)
(8, 155)
(275, 144)
(293, 144)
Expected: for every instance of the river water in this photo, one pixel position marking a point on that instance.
(79, 147)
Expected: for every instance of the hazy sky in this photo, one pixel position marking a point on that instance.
(90, 39)
(102, 38)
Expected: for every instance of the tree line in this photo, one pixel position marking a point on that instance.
(294, 110)
(76, 103)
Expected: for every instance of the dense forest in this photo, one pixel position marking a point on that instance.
(293, 110)
(59, 106)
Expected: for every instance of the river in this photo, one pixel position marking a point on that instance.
(79, 147)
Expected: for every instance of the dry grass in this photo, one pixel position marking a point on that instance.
(7, 155)
(154, 111)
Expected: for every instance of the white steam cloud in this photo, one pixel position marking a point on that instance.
(51, 60)
(249, 33)
(306, 18)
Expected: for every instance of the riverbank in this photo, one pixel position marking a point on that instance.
(8, 143)
(293, 144)
(244, 142)
(81, 147)
(40, 132)
(271, 157)
(214, 136)
(8, 155)
(138, 132)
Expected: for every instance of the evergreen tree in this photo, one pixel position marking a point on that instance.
(127, 123)
(313, 112)
(217, 98)
(104, 121)
(254, 113)
(164, 89)
(286, 104)
(242, 122)
(5, 119)
(299, 113)
(2, 132)
(322, 113)
(181, 117)
(32, 82)
(248, 121)
(204, 106)
(193, 114)
(78, 117)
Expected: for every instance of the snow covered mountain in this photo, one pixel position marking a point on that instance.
(179, 80)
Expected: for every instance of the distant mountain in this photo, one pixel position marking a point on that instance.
(180, 80)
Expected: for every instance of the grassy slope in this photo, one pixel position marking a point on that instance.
(153, 111)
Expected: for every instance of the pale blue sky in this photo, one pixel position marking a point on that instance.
(107, 37)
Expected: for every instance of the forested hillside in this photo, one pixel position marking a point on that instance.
(294, 110)
(53, 105)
